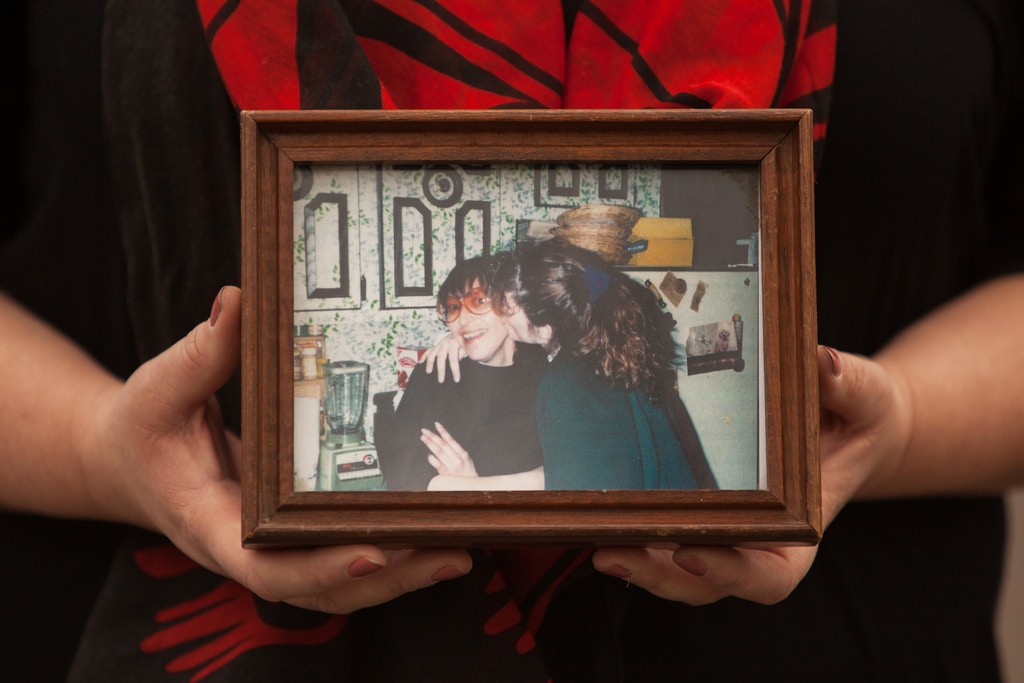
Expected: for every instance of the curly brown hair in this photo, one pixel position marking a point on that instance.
(608, 321)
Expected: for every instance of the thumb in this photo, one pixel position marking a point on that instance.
(841, 378)
(187, 374)
(851, 387)
(865, 426)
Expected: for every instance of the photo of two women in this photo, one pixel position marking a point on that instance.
(557, 372)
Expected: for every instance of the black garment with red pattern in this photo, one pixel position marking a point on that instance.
(466, 54)
(907, 217)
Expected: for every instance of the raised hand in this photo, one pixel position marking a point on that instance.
(446, 353)
(447, 456)
(456, 471)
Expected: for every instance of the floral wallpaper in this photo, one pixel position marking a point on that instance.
(372, 244)
(353, 229)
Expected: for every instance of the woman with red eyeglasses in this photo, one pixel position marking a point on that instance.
(490, 412)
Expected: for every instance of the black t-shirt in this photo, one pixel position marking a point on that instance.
(919, 198)
(491, 412)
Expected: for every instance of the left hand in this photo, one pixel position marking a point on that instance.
(865, 429)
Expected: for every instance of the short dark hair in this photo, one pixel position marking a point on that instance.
(474, 272)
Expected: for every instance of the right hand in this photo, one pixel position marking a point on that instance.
(447, 352)
(447, 455)
(163, 460)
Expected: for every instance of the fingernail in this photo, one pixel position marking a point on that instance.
(364, 566)
(833, 356)
(447, 573)
(692, 564)
(618, 571)
(218, 306)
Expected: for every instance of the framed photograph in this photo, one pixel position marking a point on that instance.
(627, 298)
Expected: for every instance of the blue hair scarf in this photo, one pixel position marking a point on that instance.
(596, 281)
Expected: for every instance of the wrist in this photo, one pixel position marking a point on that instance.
(886, 473)
(102, 467)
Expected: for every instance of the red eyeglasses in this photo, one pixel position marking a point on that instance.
(476, 302)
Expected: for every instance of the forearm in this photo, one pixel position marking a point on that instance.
(51, 391)
(531, 480)
(962, 370)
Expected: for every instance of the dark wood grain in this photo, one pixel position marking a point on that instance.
(787, 511)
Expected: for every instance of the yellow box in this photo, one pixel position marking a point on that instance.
(669, 242)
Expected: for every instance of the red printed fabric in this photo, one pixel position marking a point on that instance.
(476, 54)
(472, 54)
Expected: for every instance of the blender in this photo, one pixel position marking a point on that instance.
(348, 462)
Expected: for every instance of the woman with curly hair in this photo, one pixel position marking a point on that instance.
(602, 411)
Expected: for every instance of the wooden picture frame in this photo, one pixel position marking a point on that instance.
(712, 153)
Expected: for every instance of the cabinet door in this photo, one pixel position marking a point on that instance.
(326, 260)
(430, 219)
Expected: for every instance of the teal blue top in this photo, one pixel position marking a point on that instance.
(595, 437)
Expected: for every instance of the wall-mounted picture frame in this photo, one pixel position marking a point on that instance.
(371, 237)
